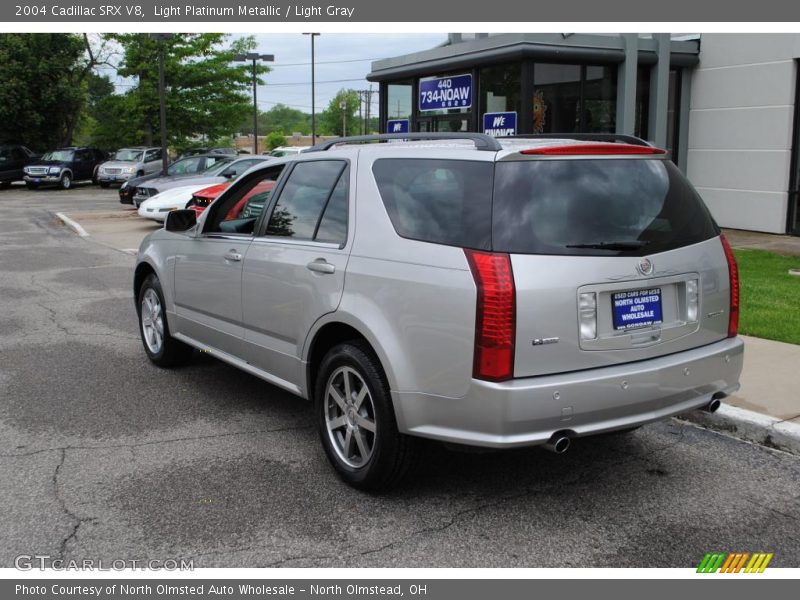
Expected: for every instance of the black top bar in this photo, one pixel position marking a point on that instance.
(481, 140)
(585, 137)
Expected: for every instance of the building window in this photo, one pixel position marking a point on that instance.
(556, 101)
(574, 98)
(641, 120)
(399, 100)
(501, 88)
(599, 106)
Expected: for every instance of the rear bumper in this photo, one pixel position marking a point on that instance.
(528, 411)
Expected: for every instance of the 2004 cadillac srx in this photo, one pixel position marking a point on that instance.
(480, 291)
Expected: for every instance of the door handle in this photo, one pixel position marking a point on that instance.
(321, 266)
(233, 255)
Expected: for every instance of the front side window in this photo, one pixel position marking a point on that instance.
(304, 199)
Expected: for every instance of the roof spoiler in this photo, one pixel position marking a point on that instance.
(610, 138)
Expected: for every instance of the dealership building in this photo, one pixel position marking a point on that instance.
(725, 105)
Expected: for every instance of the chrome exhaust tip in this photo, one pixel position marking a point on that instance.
(558, 444)
(712, 406)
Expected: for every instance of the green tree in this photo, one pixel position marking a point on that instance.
(341, 116)
(44, 86)
(276, 139)
(207, 93)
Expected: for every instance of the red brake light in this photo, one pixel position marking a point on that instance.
(495, 315)
(601, 148)
(733, 279)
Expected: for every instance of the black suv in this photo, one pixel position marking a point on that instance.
(63, 167)
(13, 158)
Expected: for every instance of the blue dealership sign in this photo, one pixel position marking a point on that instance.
(397, 126)
(441, 93)
(500, 124)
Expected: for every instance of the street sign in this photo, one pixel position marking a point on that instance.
(441, 93)
(500, 124)
(397, 126)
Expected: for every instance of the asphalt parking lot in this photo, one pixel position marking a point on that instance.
(104, 456)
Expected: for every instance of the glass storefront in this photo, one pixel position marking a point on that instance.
(556, 98)
(501, 88)
(399, 100)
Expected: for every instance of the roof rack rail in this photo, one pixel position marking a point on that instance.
(586, 137)
(481, 140)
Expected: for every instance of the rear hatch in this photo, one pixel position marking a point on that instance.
(615, 259)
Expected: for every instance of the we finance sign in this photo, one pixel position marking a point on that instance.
(441, 93)
(500, 124)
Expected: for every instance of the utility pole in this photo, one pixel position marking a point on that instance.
(313, 105)
(254, 56)
(343, 106)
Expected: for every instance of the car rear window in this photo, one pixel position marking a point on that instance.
(440, 201)
(602, 207)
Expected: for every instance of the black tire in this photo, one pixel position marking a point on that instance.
(66, 181)
(104, 184)
(94, 176)
(392, 453)
(171, 351)
(31, 186)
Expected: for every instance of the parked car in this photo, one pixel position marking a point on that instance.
(63, 167)
(158, 206)
(479, 291)
(250, 205)
(13, 159)
(282, 151)
(129, 163)
(183, 167)
(216, 174)
(196, 151)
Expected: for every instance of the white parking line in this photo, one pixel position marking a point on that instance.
(74, 225)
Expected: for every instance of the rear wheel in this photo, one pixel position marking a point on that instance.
(66, 181)
(160, 346)
(356, 421)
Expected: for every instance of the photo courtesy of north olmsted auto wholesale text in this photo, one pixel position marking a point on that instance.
(354, 301)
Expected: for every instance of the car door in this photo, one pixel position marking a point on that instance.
(152, 160)
(208, 285)
(294, 270)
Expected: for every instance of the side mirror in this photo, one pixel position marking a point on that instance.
(180, 220)
(228, 173)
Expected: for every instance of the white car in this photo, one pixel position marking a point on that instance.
(160, 205)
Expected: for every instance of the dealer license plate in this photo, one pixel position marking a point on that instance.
(636, 308)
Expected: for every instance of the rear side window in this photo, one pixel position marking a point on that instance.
(602, 207)
(439, 201)
(304, 197)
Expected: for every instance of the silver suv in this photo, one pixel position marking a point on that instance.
(494, 293)
(129, 163)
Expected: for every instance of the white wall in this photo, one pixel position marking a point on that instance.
(740, 127)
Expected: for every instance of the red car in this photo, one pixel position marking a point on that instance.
(249, 205)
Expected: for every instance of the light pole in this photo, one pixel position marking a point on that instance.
(255, 57)
(162, 98)
(343, 106)
(313, 108)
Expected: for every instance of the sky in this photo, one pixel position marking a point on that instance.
(342, 59)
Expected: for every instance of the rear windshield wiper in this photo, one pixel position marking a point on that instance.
(630, 245)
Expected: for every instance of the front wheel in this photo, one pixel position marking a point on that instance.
(356, 421)
(160, 346)
(66, 181)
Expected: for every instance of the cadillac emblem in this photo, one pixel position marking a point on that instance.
(645, 266)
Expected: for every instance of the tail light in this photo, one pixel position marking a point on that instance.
(733, 280)
(495, 315)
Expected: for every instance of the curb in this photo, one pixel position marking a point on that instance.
(74, 225)
(750, 426)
